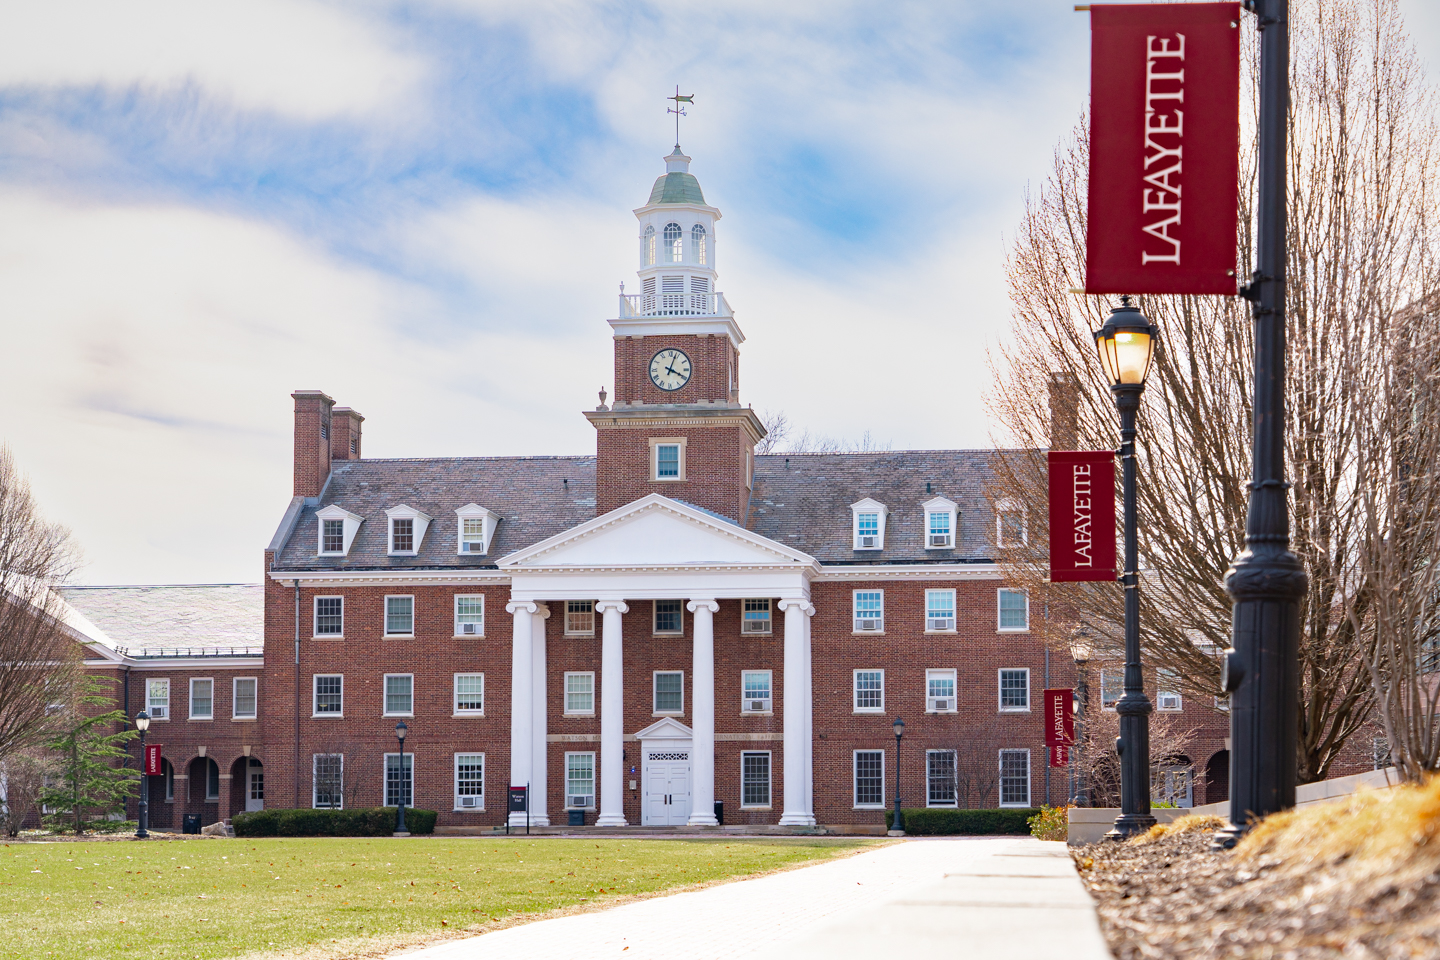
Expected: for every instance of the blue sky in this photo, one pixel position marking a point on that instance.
(424, 209)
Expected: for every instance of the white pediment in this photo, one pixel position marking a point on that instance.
(655, 532)
(666, 728)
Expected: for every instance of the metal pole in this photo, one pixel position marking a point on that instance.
(1266, 581)
(899, 822)
(1134, 707)
(400, 820)
(143, 815)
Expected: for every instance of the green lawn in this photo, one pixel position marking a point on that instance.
(224, 898)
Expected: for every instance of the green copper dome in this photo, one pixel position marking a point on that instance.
(678, 184)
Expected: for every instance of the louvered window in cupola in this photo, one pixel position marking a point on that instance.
(647, 304)
(672, 295)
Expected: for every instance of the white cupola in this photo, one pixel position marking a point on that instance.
(677, 244)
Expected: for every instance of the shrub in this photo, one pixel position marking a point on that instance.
(1051, 823)
(942, 821)
(365, 822)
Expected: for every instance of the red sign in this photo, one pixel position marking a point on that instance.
(1059, 755)
(1164, 148)
(1082, 516)
(152, 760)
(1059, 716)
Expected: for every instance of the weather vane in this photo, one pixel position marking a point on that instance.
(679, 111)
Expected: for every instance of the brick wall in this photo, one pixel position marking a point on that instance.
(715, 459)
(712, 360)
(312, 451)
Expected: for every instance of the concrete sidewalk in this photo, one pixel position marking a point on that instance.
(1011, 899)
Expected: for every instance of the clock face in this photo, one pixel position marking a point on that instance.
(670, 369)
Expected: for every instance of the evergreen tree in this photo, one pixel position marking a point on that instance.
(88, 780)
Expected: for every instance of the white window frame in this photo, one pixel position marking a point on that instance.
(868, 506)
(655, 693)
(315, 633)
(579, 633)
(1167, 687)
(1001, 591)
(768, 622)
(1000, 778)
(855, 691)
(947, 508)
(1011, 506)
(150, 697)
(235, 713)
(315, 781)
(455, 691)
(565, 692)
(385, 612)
(315, 697)
(385, 776)
(473, 511)
(655, 630)
(954, 786)
(855, 617)
(855, 781)
(192, 714)
(385, 710)
(1000, 690)
(953, 698)
(405, 512)
(1121, 673)
(455, 770)
(769, 694)
(930, 622)
(351, 523)
(769, 780)
(459, 624)
(655, 444)
(594, 778)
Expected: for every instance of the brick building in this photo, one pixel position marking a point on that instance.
(635, 635)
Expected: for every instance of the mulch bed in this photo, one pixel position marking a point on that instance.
(1172, 898)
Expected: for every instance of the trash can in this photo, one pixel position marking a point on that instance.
(720, 812)
(577, 818)
(191, 823)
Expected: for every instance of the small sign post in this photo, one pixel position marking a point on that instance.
(152, 760)
(519, 803)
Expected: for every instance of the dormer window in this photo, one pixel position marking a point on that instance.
(475, 527)
(407, 530)
(940, 522)
(674, 243)
(1010, 524)
(868, 524)
(338, 527)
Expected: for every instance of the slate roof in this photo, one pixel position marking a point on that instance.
(800, 500)
(203, 619)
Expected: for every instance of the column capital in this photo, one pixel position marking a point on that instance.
(543, 610)
(618, 605)
(787, 603)
(515, 606)
(810, 610)
(710, 605)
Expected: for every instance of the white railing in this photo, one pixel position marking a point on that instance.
(634, 305)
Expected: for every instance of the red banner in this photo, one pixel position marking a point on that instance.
(1059, 755)
(1164, 148)
(1059, 717)
(1082, 516)
(152, 760)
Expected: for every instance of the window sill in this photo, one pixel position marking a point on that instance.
(586, 809)
(199, 719)
(757, 713)
(940, 713)
(678, 635)
(589, 714)
(667, 479)
(581, 636)
(469, 810)
(244, 719)
(1014, 709)
(1015, 806)
(327, 716)
(1012, 629)
(867, 633)
(869, 711)
(948, 546)
(766, 807)
(328, 636)
(463, 713)
(668, 713)
(871, 806)
(464, 636)
(405, 716)
(1169, 709)
(399, 636)
(401, 553)
(331, 553)
(949, 630)
(942, 806)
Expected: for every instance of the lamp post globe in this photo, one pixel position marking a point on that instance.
(897, 825)
(400, 830)
(1126, 344)
(142, 816)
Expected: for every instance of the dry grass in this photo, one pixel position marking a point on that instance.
(1186, 824)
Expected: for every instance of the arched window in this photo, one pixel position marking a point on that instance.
(675, 242)
(647, 247)
(697, 243)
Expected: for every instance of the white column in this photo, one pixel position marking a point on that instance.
(522, 690)
(809, 719)
(702, 712)
(797, 694)
(612, 716)
(539, 726)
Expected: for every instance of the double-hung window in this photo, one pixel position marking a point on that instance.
(1014, 778)
(938, 530)
(472, 534)
(669, 691)
(470, 781)
(329, 616)
(869, 611)
(157, 699)
(1014, 610)
(869, 691)
(755, 691)
(1015, 690)
(755, 779)
(667, 457)
(1112, 687)
(579, 618)
(212, 779)
(940, 691)
(399, 616)
(327, 781)
(867, 531)
(244, 704)
(579, 780)
(870, 779)
(580, 694)
(470, 616)
(1167, 696)
(939, 609)
(669, 617)
(399, 776)
(202, 698)
(1010, 524)
(757, 616)
(332, 536)
(399, 694)
(402, 535)
(940, 778)
(329, 695)
(470, 694)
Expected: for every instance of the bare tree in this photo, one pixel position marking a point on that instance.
(780, 430)
(25, 777)
(1172, 738)
(977, 763)
(777, 430)
(1362, 154)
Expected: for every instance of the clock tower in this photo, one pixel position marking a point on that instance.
(676, 426)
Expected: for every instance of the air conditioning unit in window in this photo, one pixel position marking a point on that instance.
(759, 704)
(472, 546)
(581, 800)
(939, 623)
(1169, 701)
(867, 624)
(939, 704)
(469, 801)
(939, 539)
(470, 629)
(867, 542)
(755, 626)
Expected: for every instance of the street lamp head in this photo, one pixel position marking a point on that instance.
(899, 726)
(401, 730)
(1126, 344)
(142, 721)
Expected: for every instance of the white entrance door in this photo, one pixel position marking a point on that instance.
(667, 788)
(255, 786)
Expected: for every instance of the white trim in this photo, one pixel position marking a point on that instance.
(769, 710)
(385, 710)
(323, 579)
(315, 697)
(655, 444)
(455, 695)
(769, 780)
(473, 511)
(385, 772)
(855, 780)
(385, 616)
(654, 694)
(421, 524)
(655, 631)
(351, 525)
(149, 699)
(919, 571)
(1000, 778)
(1023, 592)
(953, 700)
(455, 782)
(594, 777)
(457, 624)
(565, 694)
(235, 698)
(868, 506)
(1000, 689)
(1011, 506)
(192, 715)
(856, 619)
(817, 573)
(566, 624)
(954, 612)
(855, 690)
(941, 505)
(315, 786)
(315, 633)
(954, 786)
(769, 617)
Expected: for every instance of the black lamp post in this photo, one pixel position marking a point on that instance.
(1127, 343)
(898, 824)
(1267, 581)
(142, 723)
(1080, 651)
(400, 731)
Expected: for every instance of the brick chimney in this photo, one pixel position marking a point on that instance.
(312, 441)
(345, 434)
(1064, 411)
